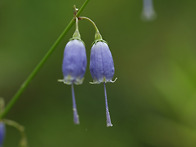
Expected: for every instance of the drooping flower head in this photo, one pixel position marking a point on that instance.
(148, 12)
(74, 65)
(101, 63)
(74, 62)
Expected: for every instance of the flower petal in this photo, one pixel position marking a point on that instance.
(74, 62)
(101, 63)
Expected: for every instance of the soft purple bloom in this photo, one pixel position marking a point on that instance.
(74, 62)
(2, 133)
(101, 63)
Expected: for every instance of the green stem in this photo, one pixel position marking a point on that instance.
(76, 34)
(77, 28)
(20, 128)
(40, 64)
(97, 33)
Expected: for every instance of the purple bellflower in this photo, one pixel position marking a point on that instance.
(74, 62)
(148, 12)
(102, 68)
(74, 65)
(2, 133)
(101, 63)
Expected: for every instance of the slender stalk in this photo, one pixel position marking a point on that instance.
(83, 17)
(40, 64)
(75, 112)
(97, 33)
(108, 119)
(76, 34)
(77, 28)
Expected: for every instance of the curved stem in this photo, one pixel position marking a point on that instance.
(20, 128)
(40, 64)
(97, 33)
(109, 123)
(83, 17)
(75, 112)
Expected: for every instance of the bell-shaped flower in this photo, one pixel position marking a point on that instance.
(74, 62)
(101, 63)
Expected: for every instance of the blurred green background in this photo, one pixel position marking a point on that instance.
(153, 102)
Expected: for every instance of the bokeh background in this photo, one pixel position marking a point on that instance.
(153, 102)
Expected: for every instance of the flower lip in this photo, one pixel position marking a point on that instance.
(101, 63)
(74, 62)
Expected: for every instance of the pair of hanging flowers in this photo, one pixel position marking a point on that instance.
(75, 63)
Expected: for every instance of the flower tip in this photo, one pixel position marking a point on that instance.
(76, 122)
(103, 81)
(76, 117)
(60, 80)
(69, 80)
(113, 80)
(109, 124)
(64, 81)
(94, 82)
(148, 17)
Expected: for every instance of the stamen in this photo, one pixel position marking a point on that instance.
(75, 113)
(108, 119)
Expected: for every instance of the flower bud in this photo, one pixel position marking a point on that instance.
(101, 63)
(74, 62)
